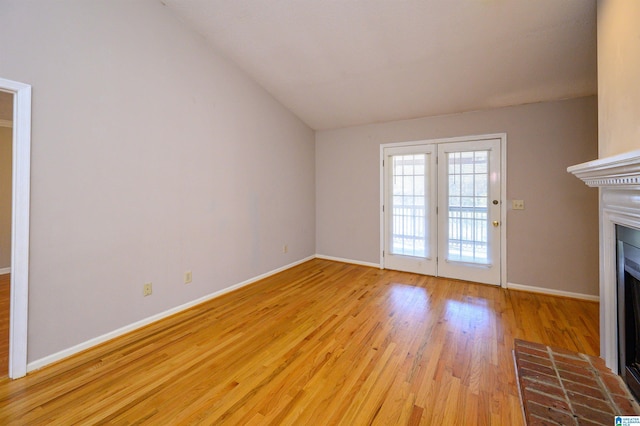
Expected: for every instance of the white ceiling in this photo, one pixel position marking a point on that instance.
(338, 63)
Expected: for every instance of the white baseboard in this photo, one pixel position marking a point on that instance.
(355, 262)
(552, 292)
(42, 362)
(5, 271)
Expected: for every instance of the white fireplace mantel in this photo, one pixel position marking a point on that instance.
(620, 171)
(618, 178)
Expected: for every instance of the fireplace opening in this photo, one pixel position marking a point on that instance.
(628, 271)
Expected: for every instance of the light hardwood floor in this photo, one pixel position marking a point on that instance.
(321, 343)
(5, 287)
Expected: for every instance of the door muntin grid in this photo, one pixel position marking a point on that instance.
(467, 207)
(409, 205)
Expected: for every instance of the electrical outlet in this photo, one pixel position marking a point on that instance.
(285, 248)
(187, 277)
(147, 289)
(517, 204)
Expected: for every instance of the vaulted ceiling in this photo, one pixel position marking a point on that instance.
(338, 63)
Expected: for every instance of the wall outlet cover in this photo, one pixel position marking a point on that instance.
(517, 204)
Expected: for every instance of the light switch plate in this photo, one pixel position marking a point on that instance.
(517, 204)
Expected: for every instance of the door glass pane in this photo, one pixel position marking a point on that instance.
(467, 206)
(409, 206)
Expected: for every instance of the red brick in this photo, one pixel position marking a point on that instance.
(593, 415)
(596, 403)
(578, 378)
(552, 380)
(577, 369)
(571, 360)
(583, 378)
(565, 352)
(542, 353)
(534, 359)
(559, 417)
(626, 406)
(584, 390)
(546, 400)
(537, 421)
(548, 370)
(602, 369)
(542, 387)
(587, 422)
(614, 384)
(527, 344)
(598, 362)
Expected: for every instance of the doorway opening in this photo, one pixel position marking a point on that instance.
(441, 207)
(20, 201)
(6, 148)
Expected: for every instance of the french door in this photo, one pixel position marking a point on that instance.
(410, 209)
(442, 209)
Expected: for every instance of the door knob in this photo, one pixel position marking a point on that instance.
(496, 223)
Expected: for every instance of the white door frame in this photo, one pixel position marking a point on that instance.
(503, 190)
(19, 225)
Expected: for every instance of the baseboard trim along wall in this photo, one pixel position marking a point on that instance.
(340, 259)
(551, 292)
(5, 271)
(42, 362)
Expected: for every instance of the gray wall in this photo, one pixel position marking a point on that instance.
(552, 244)
(151, 155)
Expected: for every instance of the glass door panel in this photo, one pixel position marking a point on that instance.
(468, 179)
(469, 200)
(408, 207)
(409, 213)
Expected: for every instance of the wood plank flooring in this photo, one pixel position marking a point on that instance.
(5, 290)
(323, 343)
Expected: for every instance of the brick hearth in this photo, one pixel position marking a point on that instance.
(568, 388)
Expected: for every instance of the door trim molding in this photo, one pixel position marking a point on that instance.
(503, 189)
(19, 225)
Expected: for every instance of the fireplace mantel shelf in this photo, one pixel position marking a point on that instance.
(622, 171)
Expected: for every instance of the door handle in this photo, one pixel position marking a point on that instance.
(496, 223)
